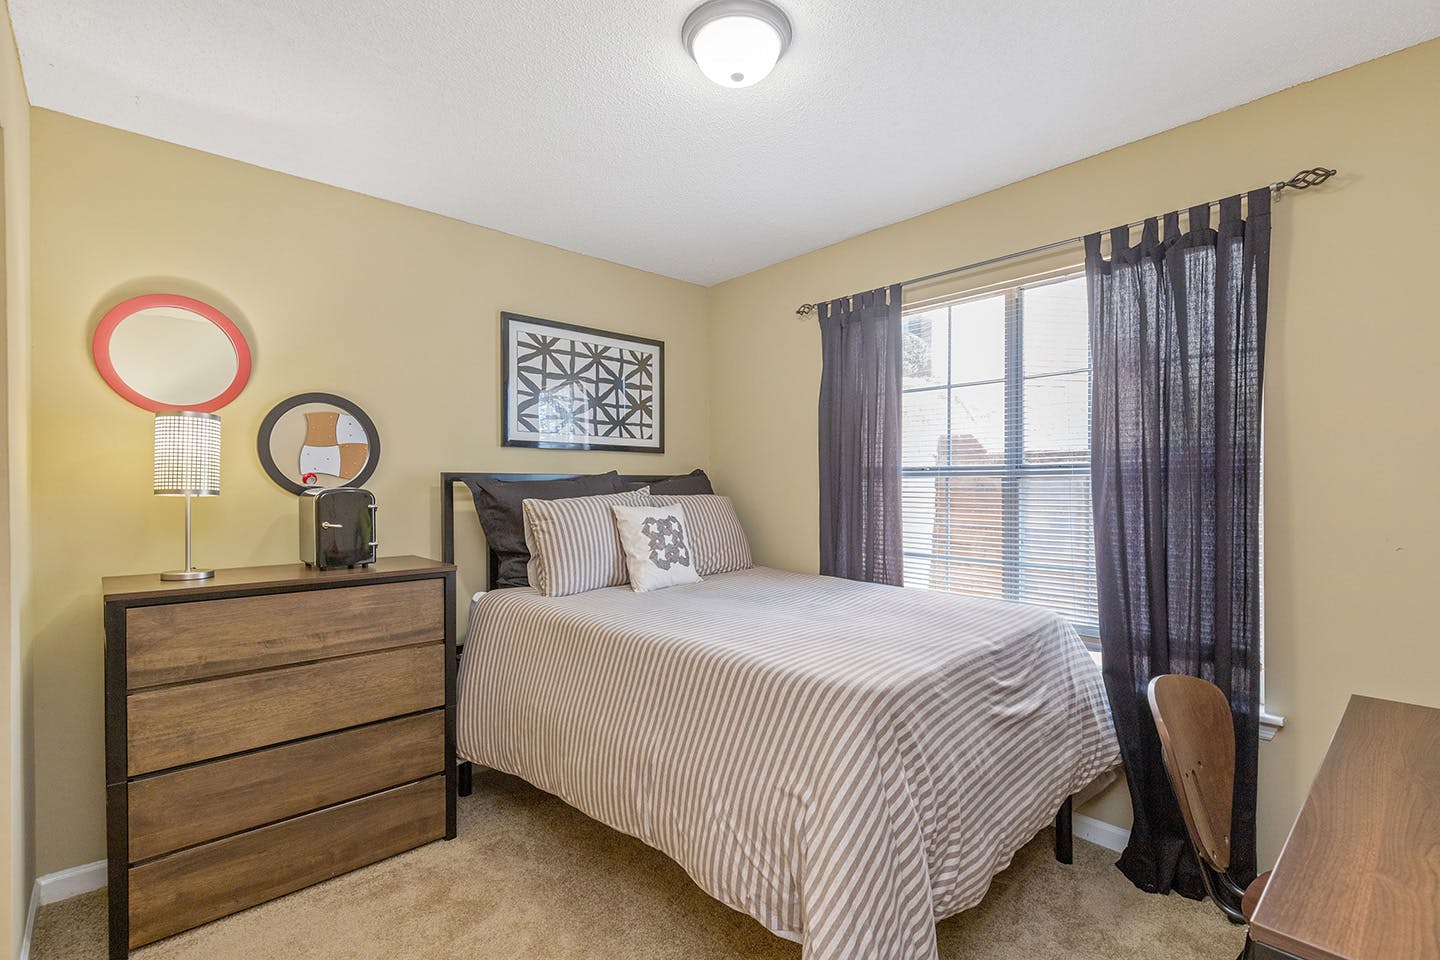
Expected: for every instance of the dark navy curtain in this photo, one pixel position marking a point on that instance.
(1177, 327)
(860, 380)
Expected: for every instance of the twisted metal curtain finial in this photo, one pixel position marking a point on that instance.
(805, 309)
(1304, 180)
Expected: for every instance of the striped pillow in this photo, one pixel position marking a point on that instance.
(716, 536)
(573, 544)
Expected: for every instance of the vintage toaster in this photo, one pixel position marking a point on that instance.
(337, 527)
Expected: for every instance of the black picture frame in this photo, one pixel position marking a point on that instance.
(267, 427)
(595, 443)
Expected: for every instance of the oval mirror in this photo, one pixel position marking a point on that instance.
(168, 352)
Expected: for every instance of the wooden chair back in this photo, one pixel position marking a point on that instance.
(1197, 737)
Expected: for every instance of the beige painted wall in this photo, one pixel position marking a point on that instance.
(14, 331)
(391, 307)
(1352, 444)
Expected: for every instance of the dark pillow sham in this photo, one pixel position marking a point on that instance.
(499, 504)
(691, 483)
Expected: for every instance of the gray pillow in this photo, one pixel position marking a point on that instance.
(573, 544)
(498, 503)
(691, 483)
(715, 534)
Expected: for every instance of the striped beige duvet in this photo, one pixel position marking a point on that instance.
(847, 763)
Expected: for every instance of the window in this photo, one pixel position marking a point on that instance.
(996, 449)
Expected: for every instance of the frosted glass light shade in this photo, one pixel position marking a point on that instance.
(736, 43)
(187, 454)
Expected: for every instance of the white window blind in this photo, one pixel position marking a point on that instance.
(996, 459)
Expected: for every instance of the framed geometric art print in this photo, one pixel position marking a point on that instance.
(576, 388)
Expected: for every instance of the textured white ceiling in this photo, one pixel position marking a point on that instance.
(583, 123)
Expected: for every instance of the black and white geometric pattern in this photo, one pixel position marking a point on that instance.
(579, 388)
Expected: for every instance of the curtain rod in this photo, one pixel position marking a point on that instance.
(1303, 180)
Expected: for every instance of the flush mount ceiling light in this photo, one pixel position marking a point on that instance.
(736, 42)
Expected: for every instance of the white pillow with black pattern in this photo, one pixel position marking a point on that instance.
(656, 541)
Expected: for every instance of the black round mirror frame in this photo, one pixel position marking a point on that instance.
(267, 427)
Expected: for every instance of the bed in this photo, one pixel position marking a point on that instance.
(847, 763)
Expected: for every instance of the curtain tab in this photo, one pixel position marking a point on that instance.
(1199, 217)
(1150, 236)
(1258, 203)
(1172, 226)
(1119, 242)
(1232, 216)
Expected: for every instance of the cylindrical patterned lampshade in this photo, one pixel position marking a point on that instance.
(187, 453)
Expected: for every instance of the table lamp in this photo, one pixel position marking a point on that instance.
(187, 464)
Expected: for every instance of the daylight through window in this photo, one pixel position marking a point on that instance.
(996, 462)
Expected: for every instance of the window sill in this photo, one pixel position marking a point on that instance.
(1270, 724)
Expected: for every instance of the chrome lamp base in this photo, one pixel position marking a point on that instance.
(187, 575)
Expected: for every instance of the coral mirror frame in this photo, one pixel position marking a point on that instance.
(104, 362)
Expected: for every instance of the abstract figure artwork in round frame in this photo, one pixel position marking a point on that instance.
(318, 440)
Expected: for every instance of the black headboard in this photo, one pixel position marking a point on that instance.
(448, 479)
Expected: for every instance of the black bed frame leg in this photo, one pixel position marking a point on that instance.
(465, 778)
(1065, 832)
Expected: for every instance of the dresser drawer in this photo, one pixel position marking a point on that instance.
(191, 887)
(189, 722)
(173, 642)
(184, 807)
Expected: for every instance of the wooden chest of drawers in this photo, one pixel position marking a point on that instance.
(268, 729)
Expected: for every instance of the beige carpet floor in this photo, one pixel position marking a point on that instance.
(531, 878)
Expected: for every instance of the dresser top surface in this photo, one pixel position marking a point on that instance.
(150, 587)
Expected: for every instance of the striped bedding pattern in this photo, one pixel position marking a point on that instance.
(573, 544)
(715, 532)
(847, 763)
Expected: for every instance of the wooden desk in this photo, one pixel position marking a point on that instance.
(1359, 877)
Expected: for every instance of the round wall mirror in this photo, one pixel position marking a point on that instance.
(168, 352)
(318, 440)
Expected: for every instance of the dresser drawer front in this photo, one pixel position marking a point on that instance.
(190, 806)
(203, 883)
(174, 642)
(190, 722)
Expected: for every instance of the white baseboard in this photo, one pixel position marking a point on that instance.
(64, 884)
(61, 885)
(30, 921)
(1099, 832)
